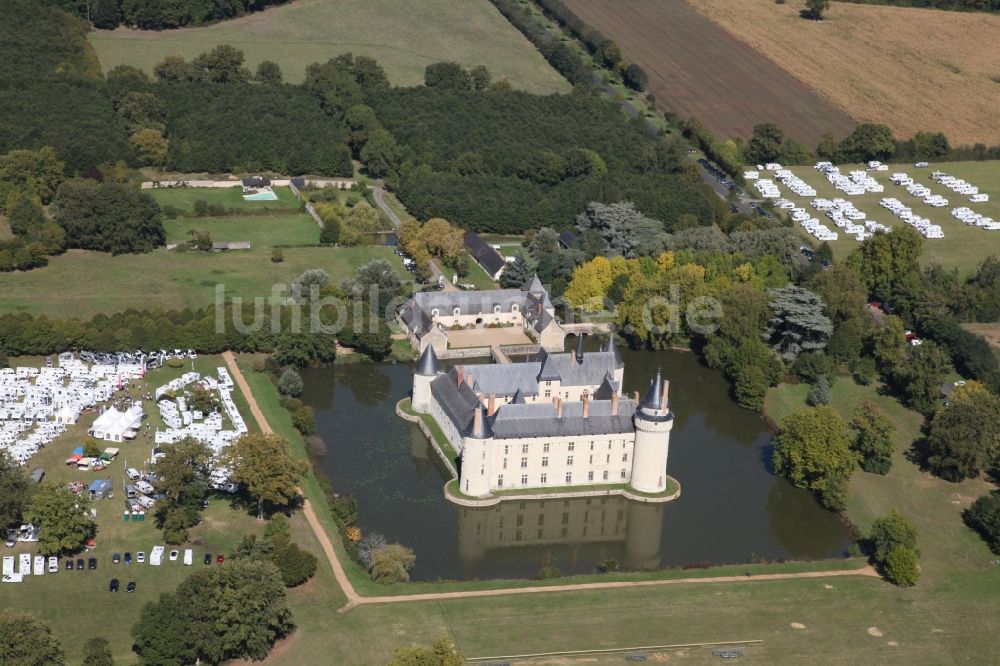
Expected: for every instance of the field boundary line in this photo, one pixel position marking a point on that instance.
(642, 648)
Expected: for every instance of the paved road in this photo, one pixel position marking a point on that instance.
(379, 195)
(721, 190)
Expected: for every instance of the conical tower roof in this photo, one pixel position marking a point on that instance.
(535, 286)
(613, 348)
(654, 394)
(428, 365)
(579, 348)
(518, 398)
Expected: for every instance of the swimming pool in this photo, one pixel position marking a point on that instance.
(266, 195)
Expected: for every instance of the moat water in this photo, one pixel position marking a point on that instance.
(732, 508)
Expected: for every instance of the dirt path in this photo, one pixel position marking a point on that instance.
(307, 509)
(438, 275)
(354, 599)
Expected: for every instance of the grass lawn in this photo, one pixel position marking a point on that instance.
(183, 198)
(263, 231)
(78, 603)
(404, 37)
(81, 283)
(962, 247)
(478, 277)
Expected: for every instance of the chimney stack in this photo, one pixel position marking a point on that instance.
(492, 405)
(469, 380)
(586, 406)
(559, 404)
(477, 422)
(666, 387)
(538, 309)
(614, 404)
(460, 378)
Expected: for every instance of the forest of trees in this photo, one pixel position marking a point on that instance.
(159, 15)
(958, 5)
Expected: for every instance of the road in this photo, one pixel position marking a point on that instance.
(721, 190)
(436, 274)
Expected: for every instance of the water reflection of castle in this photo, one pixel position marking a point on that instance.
(632, 529)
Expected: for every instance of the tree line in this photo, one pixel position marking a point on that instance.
(158, 15)
(955, 5)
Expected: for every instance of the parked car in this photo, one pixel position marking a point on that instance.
(11, 540)
(79, 564)
(53, 565)
(130, 587)
(92, 563)
(220, 559)
(173, 555)
(128, 558)
(116, 558)
(208, 558)
(69, 564)
(140, 557)
(113, 586)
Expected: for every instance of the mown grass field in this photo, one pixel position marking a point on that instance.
(81, 283)
(405, 37)
(912, 69)
(962, 247)
(261, 231)
(698, 69)
(183, 198)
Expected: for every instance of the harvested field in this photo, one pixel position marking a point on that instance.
(912, 69)
(989, 331)
(698, 69)
(404, 37)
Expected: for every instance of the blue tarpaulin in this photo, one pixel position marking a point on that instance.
(78, 451)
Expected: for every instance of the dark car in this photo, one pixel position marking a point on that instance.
(116, 558)
(113, 587)
(128, 558)
(130, 587)
(92, 563)
(79, 564)
(69, 564)
(220, 559)
(208, 558)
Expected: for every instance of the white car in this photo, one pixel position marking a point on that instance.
(188, 556)
(173, 555)
(140, 557)
(53, 564)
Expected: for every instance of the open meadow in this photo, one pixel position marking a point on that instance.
(184, 198)
(962, 247)
(698, 69)
(911, 69)
(404, 37)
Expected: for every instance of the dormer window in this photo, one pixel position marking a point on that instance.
(457, 311)
(514, 308)
(435, 312)
(496, 309)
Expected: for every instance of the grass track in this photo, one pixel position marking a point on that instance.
(404, 36)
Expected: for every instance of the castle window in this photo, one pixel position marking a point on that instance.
(545, 447)
(545, 461)
(605, 475)
(506, 449)
(496, 308)
(505, 463)
(457, 311)
(569, 461)
(590, 476)
(500, 481)
(548, 393)
(569, 477)
(591, 461)
(524, 463)
(591, 446)
(524, 482)
(624, 457)
(572, 445)
(435, 312)
(608, 459)
(524, 448)
(541, 519)
(545, 479)
(548, 383)
(623, 474)
(565, 518)
(514, 308)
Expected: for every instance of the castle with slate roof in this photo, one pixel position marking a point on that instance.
(557, 421)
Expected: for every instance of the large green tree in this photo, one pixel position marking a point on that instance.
(964, 437)
(264, 465)
(161, 633)
(886, 261)
(97, 652)
(813, 450)
(798, 322)
(984, 517)
(26, 640)
(63, 517)
(15, 490)
(182, 476)
(873, 441)
(108, 217)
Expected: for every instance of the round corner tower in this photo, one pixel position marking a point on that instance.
(427, 369)
(653, 422)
